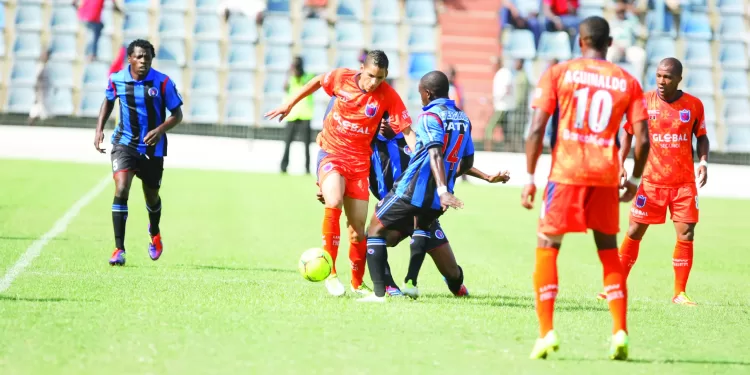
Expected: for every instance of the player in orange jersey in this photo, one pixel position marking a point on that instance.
(590, 97)
(669, 180)
(358, 101)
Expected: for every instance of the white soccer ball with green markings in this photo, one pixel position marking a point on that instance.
(315, 264)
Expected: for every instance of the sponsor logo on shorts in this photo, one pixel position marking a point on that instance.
(371, 110)
(685, 115)
(439, 234)
(152, 92)
(114, 165)
(640, 201)
(637, 212)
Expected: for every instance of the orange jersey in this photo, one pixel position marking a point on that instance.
(671, 127)
(591, 97)
(351, 121)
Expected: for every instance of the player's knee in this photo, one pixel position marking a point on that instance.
(686, 235)
(393, 238)
(122, 190)
(636, 231)
(356, 235)
(337, 202)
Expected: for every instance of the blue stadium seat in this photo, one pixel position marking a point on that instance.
(733, 56)
(698, 54)
(698, 6)
(91, 101)
(242, 29)
(709, 107)
(696, 26)
(172, 50)
(2, 17)
(204, 109)
(699, 82)
(277, 30)
(421, 64)
(422, 39)
(394, 63)
(734, 83)
(386, 37)
(172, 6)
(27, 45)
(278, 58)
(207, 27)
(274, 84)
(64, 18)
(173, 71)
(413, 99)
(136, 24)
(314, 32)
(278, 6)
(269, 104)
(104, 48)
(421, 12)
(61, 101)
(350, 9)
(736, 7)
(627, 67)
(659, 48)
(588, 11)
(736, 111)
(349, 34)
(554, 45)
(172, 26)
(738, 139)
(239, 111)
(95, 76)
(2, 47)
(205, 82)
(206, 54)
(519, 44)
(576, 47)
(732, 28)
(592, 3)
(347, 58)
(649, 81)
(385, 11)
(23, 73)
(241, 83)
(29, 17)
(59, 73)
(242, 56)
(315, 59)
(63, 47)
(319, 111)
(136, 5)
(206, 6)
(108, 19)
(21, 98)
(656, 27)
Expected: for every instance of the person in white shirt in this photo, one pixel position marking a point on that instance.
(503, 101)
(252, 9)
(625, 29)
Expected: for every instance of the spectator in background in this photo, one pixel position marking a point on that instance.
(253, 9)
(625, 29)
(300, 116)
(522, 14)
(520, 114)
(503, 102)
(90, 14)
(561, 15)
(455, 91)
(40, 108)
(314, 8)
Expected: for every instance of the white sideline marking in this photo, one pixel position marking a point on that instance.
(59, 227)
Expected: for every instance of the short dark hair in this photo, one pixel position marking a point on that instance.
(145, 44)
(378, 58)
(594, 32)
(437, 83)
(674, 65)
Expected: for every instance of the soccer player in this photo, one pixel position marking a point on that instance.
(358, 101)
(139, 142)
(668, 181)
(444, 150)
(591, 96)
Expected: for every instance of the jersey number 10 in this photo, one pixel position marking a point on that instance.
(452, 156)
(600, 109)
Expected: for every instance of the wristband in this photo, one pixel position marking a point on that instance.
(703, 163)
(635, 180)
(442, 190)
(531, 179)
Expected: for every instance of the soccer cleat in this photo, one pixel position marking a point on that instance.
(118, 258)
(155, 247)
(362, 290)
(462, 292)
(393, 292)
(545, 345)
(683, 299)
(334, 286)
(601, 296)
(618, 350)
(410, 290)
(372, 298)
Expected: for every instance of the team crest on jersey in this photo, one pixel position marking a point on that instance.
(640, 201)
(153, 91)
(685, 115)
(371, 110)
(327, 167)
(407, 150)
(439, 234)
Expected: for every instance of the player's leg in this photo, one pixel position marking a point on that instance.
(649, 207)
(442, 254)
(291, 129)
(684, 209)
(392, 239)
(150, 173)
(307, 138)
(356, 214)
(332, 185)
(123, 169)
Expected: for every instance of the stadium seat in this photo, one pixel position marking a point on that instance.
(576, 47)
(59, 73)
(95, 75)
(394, 64)
(350, 10)
(104, 49)
(277, 30)
(91, 101)
(709, 107)
(63, 47)
(207, 27)
(386, 37)
(2, 47)
(732, 28)
(519, 44)
(173, 71)
(385, 11)
(554, 45)
(592, 3)
(349, 34)
(242, 56)
(627, 67)
(29, 17)
(23, 72)
(413, 99)
(422, 39)
(736, 112)
(315, 59)
(242, 29)
(270, 103)
(27, 45)
(172, 6)
(108, 19)
(274, 84)
(314, 32)
(421, 64)
(278, 58)
(319, 111)
(172, 50)
(239, 111)
(278, 7)
(136, 24)
(206, 6)
(588, 11)
(347, 58)
(733, 55)
(206, 54)
(659, 48)
(421, 12)
(64, 18)
(137, 5)
(20, 99)
(698, 54)
(172, 26)
(205, 82)
(241, 83)
(698, 6)
(738, 139)
(658, 28)
(736, 7)
(61, 101)
(696, 26)
(2, 17)
(204, 109)
(734, 83)
(649, 81)
(699, 82)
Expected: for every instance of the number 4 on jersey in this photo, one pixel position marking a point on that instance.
(600, 109)
(452, 156)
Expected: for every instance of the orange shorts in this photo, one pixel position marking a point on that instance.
(575, 208)
(651, 202)
(356, 186)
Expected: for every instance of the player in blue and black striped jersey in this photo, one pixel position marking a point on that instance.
(139, 142)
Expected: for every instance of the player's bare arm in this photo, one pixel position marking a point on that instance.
(410, 137)
(642, 146)
(703, 148)
(173, 120)
(437, 165)
(625, 141)
(534, 146)
(285, 108)
(104, 112)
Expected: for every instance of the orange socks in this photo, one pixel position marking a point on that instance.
(682, 261)
(332, 233)
(628, 255)
(358, 258)
(545, 287)
(614, 287)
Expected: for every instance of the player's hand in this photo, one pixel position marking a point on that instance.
(499, 177)
(98, 140)
(527, 196)
(702, 175)
(282, 112)
(153, 137)
(623, 178)
(319, 195)
(448, 200)
(630, 190)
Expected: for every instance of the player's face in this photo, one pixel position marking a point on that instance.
(424, 95)
(666, 80)
(371, 77)
(140, 59)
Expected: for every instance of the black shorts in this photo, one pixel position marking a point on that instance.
(148, 169)
(436, 236)
(397, 214)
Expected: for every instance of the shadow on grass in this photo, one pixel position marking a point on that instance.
(664, 361)
(524, 302)
(50, 299)
(243, 269)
